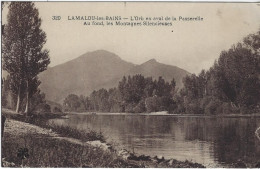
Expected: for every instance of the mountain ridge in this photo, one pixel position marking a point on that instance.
(99, 69)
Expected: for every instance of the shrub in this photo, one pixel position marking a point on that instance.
(213, 107)
(204, 102)
(129, 108)
(116, 107)
(178, 109)
(140, 107)
(193, 108)
(166, 104)
(152, 104)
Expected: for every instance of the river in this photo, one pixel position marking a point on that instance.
(211, 141)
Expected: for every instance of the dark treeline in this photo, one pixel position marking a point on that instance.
(231, 85)
(134, 94)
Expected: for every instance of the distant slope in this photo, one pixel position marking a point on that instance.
(99, 69)
(82, 75)
(154, 69)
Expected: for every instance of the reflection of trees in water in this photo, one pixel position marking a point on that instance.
(131, 128)
(235, 140)
(199, 128)
(230, 138)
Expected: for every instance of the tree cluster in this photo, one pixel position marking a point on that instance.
(231, 85)
(23, 54)
(38, 102)
(134, 94)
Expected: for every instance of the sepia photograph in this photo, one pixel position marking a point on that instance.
(130, 84)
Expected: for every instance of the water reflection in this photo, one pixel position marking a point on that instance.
(211, 141)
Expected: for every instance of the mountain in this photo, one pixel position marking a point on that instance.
(96, 70)
(154, 69)
(88, 72)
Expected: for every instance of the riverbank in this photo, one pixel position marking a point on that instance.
(28, 145)
(164, 113)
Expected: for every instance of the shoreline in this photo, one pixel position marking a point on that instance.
(72, 143)
(173, 115)
(16, 131)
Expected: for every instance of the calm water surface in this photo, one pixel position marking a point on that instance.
(212, 141)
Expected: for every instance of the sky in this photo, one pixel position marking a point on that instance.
(191, 45)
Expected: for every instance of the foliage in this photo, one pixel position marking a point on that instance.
(152, 104)
(72, 102)
(23, 54)
(38, 103)
(131, 95)
(82, 135)
(140, 107)
(231, 85)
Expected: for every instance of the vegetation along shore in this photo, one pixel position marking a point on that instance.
(27, 143)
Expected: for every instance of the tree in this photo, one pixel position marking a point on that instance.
(173, 85)
(231, 84)
(23, 54)
(152, 104)
(72, 102)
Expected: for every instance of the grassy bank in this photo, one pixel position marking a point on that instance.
(42, 150)
(41, 120)
(28, 145)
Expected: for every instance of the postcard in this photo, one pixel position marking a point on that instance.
(130, 84)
